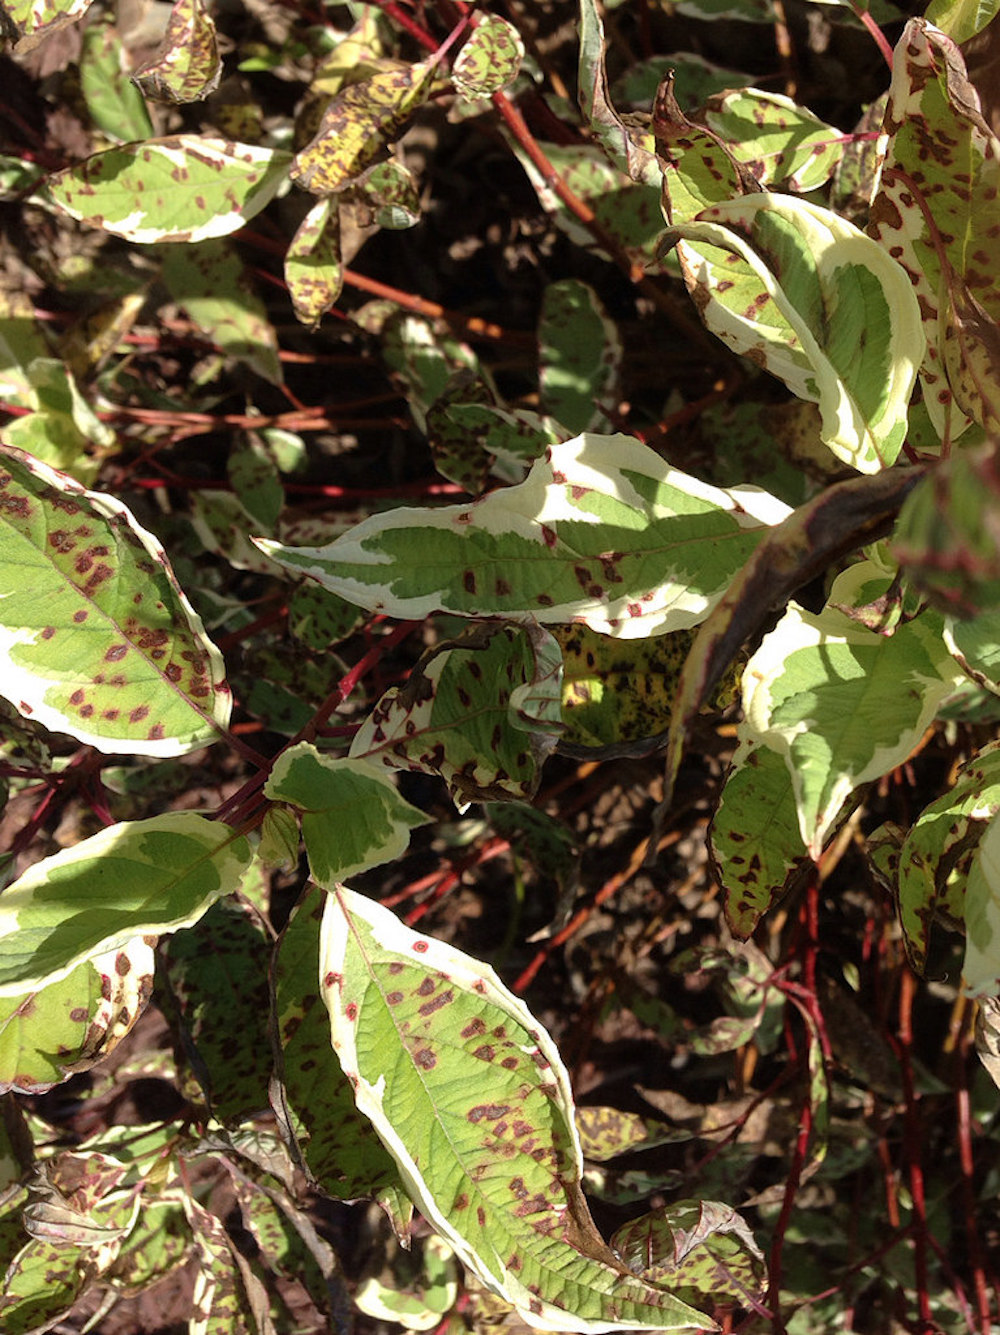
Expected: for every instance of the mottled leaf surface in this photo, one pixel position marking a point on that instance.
(936, 214)
(490, 59)
(339, 1147)
(935, 860)
(789, 284)
(313, 270)
(601, 531)
(97, 638)
(210, 283)
(482, 711)
(352, 816)
(755, 841)
(138, 878)
(468, 1094)
(34, 20)
(784, 145)
(66, 1026)
(217, 974)
(186, 66)
(186, 187)
(843, 704)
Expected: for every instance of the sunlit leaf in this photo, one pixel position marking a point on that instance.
(602, 531)
(185, 187)
(186, 66)
(781, 143)
(98, 639)
(313, 270)
(490, 59)
(352, 816)
(469, 1095)
(116, 107)
(961, 19)
(138, 878)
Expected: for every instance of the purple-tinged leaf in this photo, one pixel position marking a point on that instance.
(186, 66)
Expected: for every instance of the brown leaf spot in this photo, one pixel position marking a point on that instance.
(490, 1111)
(48, 632)
(442, 999)
(485, 1053)
(425, 1058)
(421, 947)
(116, 653)
(474, 1028)
(426, 987)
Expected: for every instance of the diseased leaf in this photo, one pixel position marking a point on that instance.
(186, 187)
(217, 976)
(629, 147)
(387, 195)
(607, 1132)
(699, 168)
(338, 1145)
(935, 212)
(790, 284)
(31, 21)
(159, 1244)
(98, 640)
(211, 284)
(142, 877)
(482, 711)
(935, 860)
(755, 841)
(784, 145)
(470, 1097)
(489, 60)
(601, 531)
(185, 66)
(843, 704)
(253, 473)
(42, 1283)
(695, 1246)
(313, 270)
(579, 357)
(359, 124)
(63, 1027)
(352, 816)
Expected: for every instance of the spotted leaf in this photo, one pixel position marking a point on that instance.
(137, 878)
(579, 357)
(936, 214)
(359, 124)
(96, 637)
(470, 1097)
(31, 21)
(186, 187)
(789, 284)
(186, 66)
(482, 711)
(782, 144)
(489, 60)
(66, 1026)
(352, 816)
(313, 270)
(602, 531)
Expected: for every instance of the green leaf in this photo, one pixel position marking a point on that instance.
(976, 646)
(482, 711)
(352, 816)
(755, 841)
(185, 66)
(934, 862)
(159, 1244)
(489, 60)
(359, 124)
(217, 975)
(935, 212)
(579, 357)
(211, 284)
(98, 640)
(784, 145)
(140, 878)
(696, 1246)
(607, 1132)
(981, 968)
(628, 146)
(843, 704)
(961, 19)
(313, 271)
(63, 1027)
(34, 20)
(601, 531)
(389, 195)
(42, 1283)
(469, 1095)
(186, 187)
(63, 428)
(116, 106)
(340, 1149)
(424, 358)
(699, 168)
(790, 284)
(319, 618)
(413, 1288)
(254, 476)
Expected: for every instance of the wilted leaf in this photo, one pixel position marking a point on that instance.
(143, 877)
(481, 711)
(186, 66)
(699, 169)
(185, 187)
(629, 146)
(470, 1097)
(790, 284)
(352, 816)
(601, 531)
(98, 639)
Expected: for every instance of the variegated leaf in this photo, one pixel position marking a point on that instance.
(186, 66)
